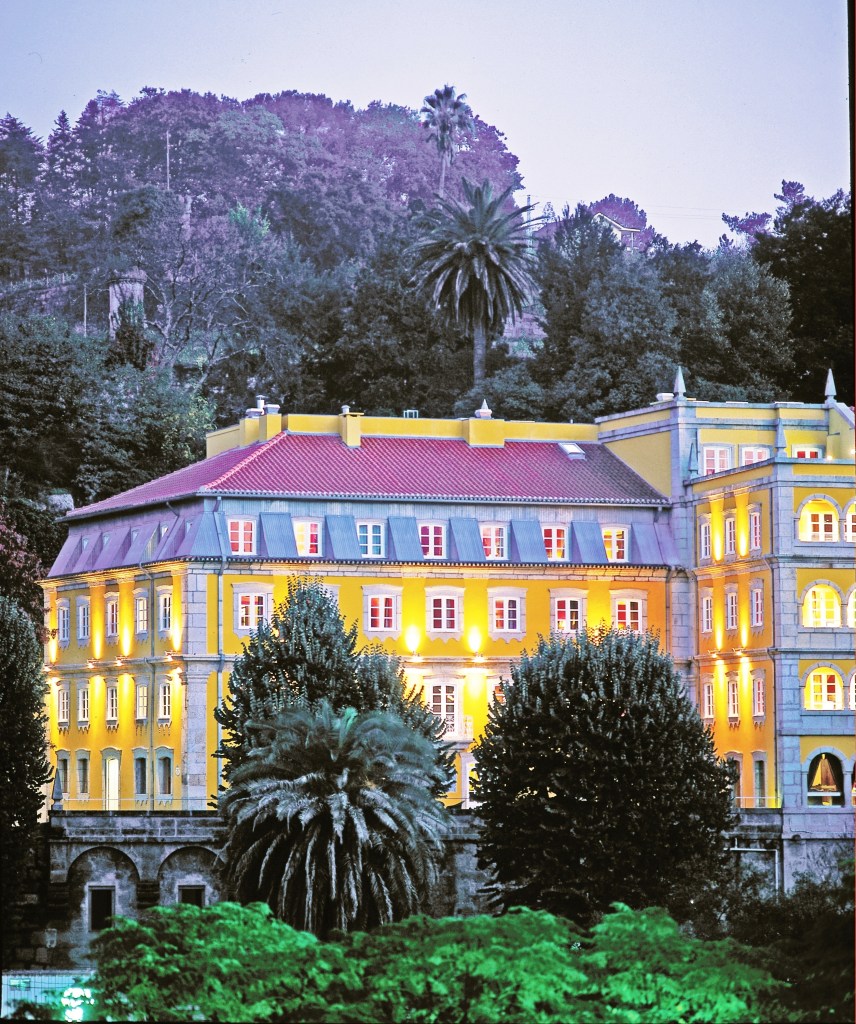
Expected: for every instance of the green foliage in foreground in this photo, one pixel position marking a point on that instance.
(237, 963)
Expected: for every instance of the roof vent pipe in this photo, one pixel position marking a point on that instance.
(260, 401)
(271, 410)
(345, 410)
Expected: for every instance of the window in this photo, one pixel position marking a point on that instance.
(507, 612)
(853, 692)
(164, 610)
(824, 691)
(759, 695)
(707, 613)
(164, 775)
(83, 775)
(493, 540)
(62, 622)
(615, 542)
(803, 451)
(760, 783)
(850, 526)
(555, 542)
(111, 616)
(568, 612)
(704, 539)
(83, 705)
(730, 535)
(818, 521)
(821, 607)
(165, 700)
(141, 776)
(754, 529)
(242, 536)
(731, 609)
(716, 458)
(822, 526)
(141, 614)
(851, 610)
(707, 706)
(112, 703)
(443, 702)
(382, 611)
(101, 899)
(825, 782)
(628, 613)
(192, 895)
(735, 761)
(757, 606)
(733, 696)
(307, 536)
(444, 612)
(62, 703)
(432, 537)
(370, 536)
(142, 702)
(252, 610)
(752, 453)
(83, 618)
(62, 772)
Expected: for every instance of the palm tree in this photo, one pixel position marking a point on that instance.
(446, 116)
(476, 261)
(331, 819)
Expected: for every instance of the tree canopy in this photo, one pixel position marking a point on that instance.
(597, 780)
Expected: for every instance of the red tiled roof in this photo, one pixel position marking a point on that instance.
(321, 465)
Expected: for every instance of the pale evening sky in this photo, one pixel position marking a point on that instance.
(688, 107)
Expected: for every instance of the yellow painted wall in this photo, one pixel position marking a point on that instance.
(650, 456)
(845, 743)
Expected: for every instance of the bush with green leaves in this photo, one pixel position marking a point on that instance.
(597, 780)
(332, 820)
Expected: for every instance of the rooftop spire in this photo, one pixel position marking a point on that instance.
(829, 391)
(679, 388)
(781, 440)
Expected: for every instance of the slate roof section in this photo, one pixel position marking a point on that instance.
(322, 466)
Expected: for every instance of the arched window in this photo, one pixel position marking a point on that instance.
(821, 606)
(850, 522)
(824, 690)
(851, 610)
(818, 521)
(825, 781)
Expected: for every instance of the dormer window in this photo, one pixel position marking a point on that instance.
(752, 453)
(307, 536)
(493, 537)
(807, 451)
(242, 536)
(615, 542)
(716, 458)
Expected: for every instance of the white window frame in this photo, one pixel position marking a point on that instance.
(733, 687)
(304, 527)
(458, 727)
(555, 537)
(752, 453)
(506, 604)
(821, 607)
(381, 597)
(139, 755)
(165, 700)
(706, 611)
(708, 706)
(164, 792)
(63, 771)
(716, 458)
(111, 616)
(446, 594)
(616, 542)
(141, 702)
(732, 608)
(84, 620)
(242, 535)
(848, 520)
(111, 703)
(164, 599)
(755, 534)
(141, 613)
(251, 591)
(566, 595)
(371, 535)
(626, 597)
(63, 622)
(851, 610)
(83, 706)
(807, 451)
(759, 693)
(494, 538)
(63, 705)
(432, 535)
(730, 526)
(822, 527)
(704, 548)
(822, 682)
(756, 604)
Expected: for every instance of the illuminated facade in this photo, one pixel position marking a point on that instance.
(726, 527)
